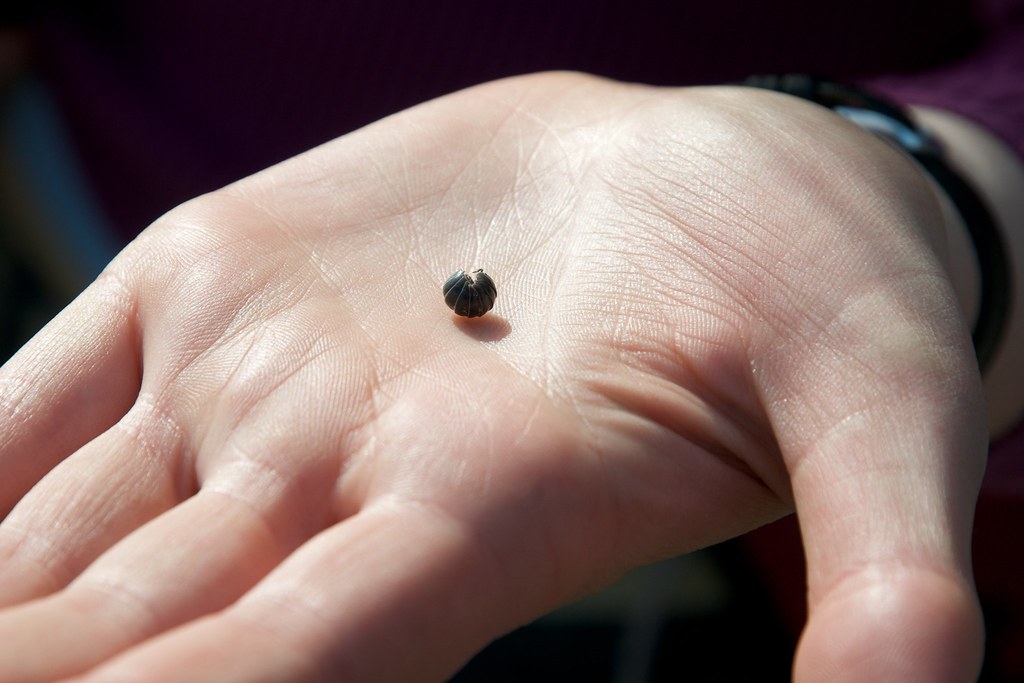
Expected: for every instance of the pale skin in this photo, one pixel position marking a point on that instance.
(260, 447)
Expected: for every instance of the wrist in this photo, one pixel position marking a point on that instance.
(997, 174)
(987, 304)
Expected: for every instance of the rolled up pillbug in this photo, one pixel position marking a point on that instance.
(467, 296)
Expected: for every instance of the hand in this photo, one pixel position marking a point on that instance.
(260, 447)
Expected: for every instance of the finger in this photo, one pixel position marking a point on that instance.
(885, 444)
(117, 482)
(395, 593)
(71, 382)
(193, 560)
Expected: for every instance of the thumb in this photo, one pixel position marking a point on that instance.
(880, 419)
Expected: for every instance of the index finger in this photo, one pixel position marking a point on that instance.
(68, 384)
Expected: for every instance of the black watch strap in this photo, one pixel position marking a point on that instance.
(892, 123)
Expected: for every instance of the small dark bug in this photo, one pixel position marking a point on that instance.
(468, 297)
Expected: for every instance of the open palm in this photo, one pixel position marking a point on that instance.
(260, 447)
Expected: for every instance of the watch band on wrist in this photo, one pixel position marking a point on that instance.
(890, 122)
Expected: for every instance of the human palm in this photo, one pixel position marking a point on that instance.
(260, 447)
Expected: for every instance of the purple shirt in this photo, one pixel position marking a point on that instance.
(215, 91)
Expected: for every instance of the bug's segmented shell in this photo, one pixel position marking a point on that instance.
(470, 295)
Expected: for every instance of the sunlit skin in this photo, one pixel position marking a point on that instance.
(261, 448)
